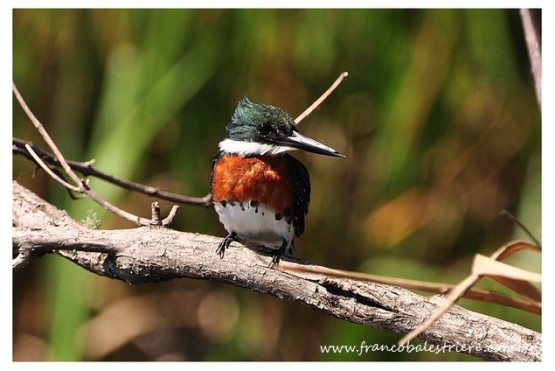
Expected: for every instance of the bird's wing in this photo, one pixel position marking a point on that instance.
(301, 193)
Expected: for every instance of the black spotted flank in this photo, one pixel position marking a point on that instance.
(255, 205)
(224, 203)
(279, 216)
(288, 212)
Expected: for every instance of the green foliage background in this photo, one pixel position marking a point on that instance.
(438, 119)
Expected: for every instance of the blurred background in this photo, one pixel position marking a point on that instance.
(438, 119)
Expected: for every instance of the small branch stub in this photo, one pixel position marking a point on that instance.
(155, 210)
(157, 218)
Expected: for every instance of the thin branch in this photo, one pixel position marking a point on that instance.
(169, 219)
(86, 169)
(151, 254)
(81, 186)
(322, 98)
(514, 219)
(449, 301)
(45, 136)
(49, 171)
(534, 51)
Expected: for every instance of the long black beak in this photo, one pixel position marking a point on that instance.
(300, 141)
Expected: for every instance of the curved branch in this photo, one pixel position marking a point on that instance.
(150, 254)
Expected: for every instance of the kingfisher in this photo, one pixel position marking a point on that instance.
(260, 192)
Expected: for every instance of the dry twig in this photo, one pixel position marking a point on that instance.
(20, 147)
(511, 277)
(80, 186)
(322, 98)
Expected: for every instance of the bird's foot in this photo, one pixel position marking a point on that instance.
(278, 254)
(225, 244)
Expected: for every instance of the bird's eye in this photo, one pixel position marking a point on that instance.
(265, 129)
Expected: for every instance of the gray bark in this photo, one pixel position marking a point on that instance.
(150, 254)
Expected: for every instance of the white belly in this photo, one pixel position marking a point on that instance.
(255, 224)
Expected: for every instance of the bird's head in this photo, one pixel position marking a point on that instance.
(261, 129)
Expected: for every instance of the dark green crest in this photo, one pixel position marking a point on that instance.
(263, 123)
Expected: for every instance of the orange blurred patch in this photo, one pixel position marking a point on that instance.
(397, 219)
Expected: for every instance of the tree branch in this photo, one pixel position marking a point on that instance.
(150, 254)
(20, 147)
